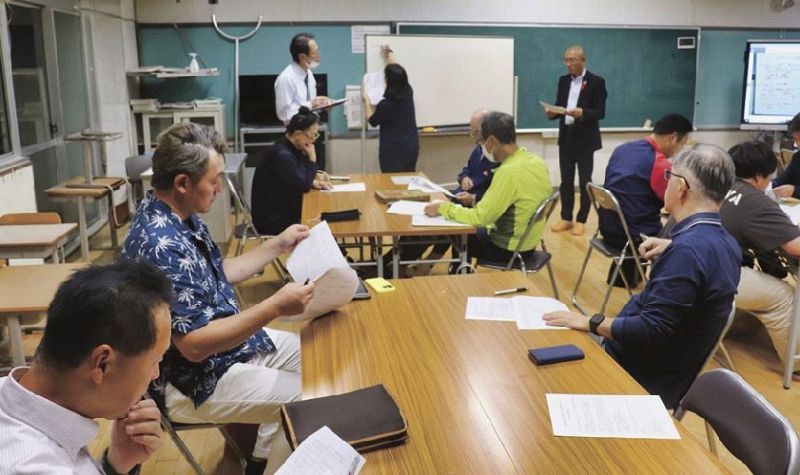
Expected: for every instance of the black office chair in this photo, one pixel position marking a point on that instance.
(535, 260)
(747, 425)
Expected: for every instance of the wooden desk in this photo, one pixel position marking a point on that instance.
(375, 222)
(28, 290)
(33, 240)
(69, 190)
(474, 401)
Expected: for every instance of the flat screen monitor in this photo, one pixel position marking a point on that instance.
(771, 92)
(257, 99)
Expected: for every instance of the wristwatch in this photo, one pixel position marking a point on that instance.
(595, 322)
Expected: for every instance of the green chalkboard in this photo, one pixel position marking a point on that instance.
(720, 75)
(646, 75)
(267, 52)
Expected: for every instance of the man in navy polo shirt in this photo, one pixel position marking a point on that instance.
(635, 175)
(663, 336)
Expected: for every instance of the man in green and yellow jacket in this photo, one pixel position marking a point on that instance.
(520, 184)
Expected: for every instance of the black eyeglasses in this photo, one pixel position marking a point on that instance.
(668, 173)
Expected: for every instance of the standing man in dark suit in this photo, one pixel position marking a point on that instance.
(583, 95)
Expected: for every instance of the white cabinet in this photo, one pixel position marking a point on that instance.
(153, 123)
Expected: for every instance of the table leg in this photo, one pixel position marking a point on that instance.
(87, 160)
(462, 245)
(82, 229)
(395, 257)
(15, 335)
(379, 256)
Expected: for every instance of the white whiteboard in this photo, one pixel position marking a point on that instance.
(452, 76)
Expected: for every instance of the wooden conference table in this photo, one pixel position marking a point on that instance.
(474, 401)
(375, 222)
(33, 240)
(27, 290)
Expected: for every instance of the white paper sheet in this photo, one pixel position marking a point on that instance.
(423, 184)
(528, 312)
(333, 289)
(360, 186)
(410, 208)
(323, 453)
(489, 308)
(424, 220)
(314, 255)
(374, 85)
(792, 211)
(617, 416)
(556, 109)
(402, 180)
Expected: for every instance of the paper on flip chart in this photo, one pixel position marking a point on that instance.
(402, 180)
(616, 416)
(323, 453)
(347, 187)
(528, 312)
(792, 211)
(314, 255)
(407, 207)
(423, 184)
(425, 220)
(489, 308)
(553, 108)
(333, 289)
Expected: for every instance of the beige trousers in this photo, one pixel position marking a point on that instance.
(770, 300)
(249, 392)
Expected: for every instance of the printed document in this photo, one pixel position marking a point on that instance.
(423, 184)
(553, 108)
(526, 311)
(617, 416)
(410, 208)
(402, 180)
(314, 255)
(347, 187)
(792, 211)
(323, 453)
(333, 289)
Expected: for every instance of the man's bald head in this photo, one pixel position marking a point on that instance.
(475, 123)
(575, 59)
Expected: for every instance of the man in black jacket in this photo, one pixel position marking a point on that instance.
(583, 95)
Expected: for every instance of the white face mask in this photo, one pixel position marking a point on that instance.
(313, 64)
(489, 156)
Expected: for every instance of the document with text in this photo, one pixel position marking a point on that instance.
(526, 311)
(612, 416)
(423, 184)
(407, 207)
(333, 289)
(347, 187)
(402, 179)
(314, 255)
(322, 453)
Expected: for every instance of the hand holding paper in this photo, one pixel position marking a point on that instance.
(553, 109)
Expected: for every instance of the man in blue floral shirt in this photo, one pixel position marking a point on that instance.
(223, 366)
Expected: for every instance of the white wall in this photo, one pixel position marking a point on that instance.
(723, 13)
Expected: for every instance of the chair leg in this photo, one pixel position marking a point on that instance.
(578, 283)
(234, 447)
(728, 363)
(552, 280)
(712, 444)
(187, 454)
(610, 287)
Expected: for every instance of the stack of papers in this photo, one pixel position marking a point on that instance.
(317, 258)
(323, 452)
(209, 103)
(348, 187)
(402, 180)
(144, 105)
(423, 184)
(526, 311)
(792, 211)
(406, 207)
(625, 417)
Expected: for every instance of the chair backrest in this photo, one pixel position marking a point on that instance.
(30, 218)
(136, 165)
(603, 198)
(542, 214)
(749, 426)
(236, 191)
(722, 334)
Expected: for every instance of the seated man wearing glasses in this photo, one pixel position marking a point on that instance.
(635, 174)
(663, 336)
(288, 171)
(762, 230)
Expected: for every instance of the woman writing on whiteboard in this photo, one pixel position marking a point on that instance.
(399, 143)
(287, 171)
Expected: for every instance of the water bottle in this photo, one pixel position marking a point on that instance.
(194, 67)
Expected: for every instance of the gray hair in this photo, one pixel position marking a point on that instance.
(710, 169)
(501, 125)
(183, 149)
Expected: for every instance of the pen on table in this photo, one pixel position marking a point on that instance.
(511, 291)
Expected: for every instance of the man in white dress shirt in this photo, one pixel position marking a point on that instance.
(107, 329)
(296, 85)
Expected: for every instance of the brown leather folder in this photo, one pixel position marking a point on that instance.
(367, 418)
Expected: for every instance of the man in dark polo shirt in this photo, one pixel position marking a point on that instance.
(761, 229)
(788, 182)
(635, 174)
(663, 336)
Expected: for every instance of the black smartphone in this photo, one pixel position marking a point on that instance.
(361, 291)
(555, 354)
